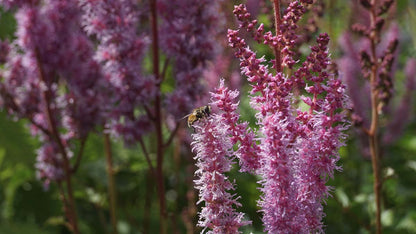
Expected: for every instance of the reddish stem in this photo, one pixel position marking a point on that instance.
(158, 119)
(65, 202)
(372, 133)
(72, 215)
(277, 22)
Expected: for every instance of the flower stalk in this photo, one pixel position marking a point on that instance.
(70, 203)
(213, 155)
(378, 69)
(158, 118)
(277, 22)
(111, 182)
(373, 131)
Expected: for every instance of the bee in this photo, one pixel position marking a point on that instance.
(197, 114)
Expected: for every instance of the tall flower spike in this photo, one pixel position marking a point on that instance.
(403, 112)
(120, 52)
(247, 152)
(321, 137)
(213, 154)
(50, 51)
(293, 172)
(49, 165)
(278, 201)
(188, 37)
(278, 128)
(350, 70)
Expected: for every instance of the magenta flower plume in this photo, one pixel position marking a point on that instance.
(350, 71)
(298, 149)
(287, 36)
(402, 113)
(50, 51)
(213, 149)
(247, 152)
(49, 164)
(71, 61)
(188, 37)
(278, 202)
(322, 133)
(120, 52)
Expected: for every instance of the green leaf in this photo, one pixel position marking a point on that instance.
(17, 176)
(408, 222)
(55, 221)
(387, 217)
(2, 154)
(342, 197)
(19, 228)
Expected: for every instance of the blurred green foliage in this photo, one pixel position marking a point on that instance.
(27, 207)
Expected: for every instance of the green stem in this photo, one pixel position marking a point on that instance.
(148, 202)
(111, 183)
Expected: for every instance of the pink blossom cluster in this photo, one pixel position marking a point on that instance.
(356, 62)
(213, 148)
(120, 52)
(78, 64)
(286, 38)
(322, 133)
(294, 150)
(188, 36)
(225, 100)
(50, 49)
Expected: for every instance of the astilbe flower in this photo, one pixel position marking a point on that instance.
(387, 51)
(287, 35)
(213, 149)
(321, 133)
(293, 173)
(49, 164)
(349, 69)
(402, 113)
(385, 44)
(359, 90)
(7, 4)
(247, 151)
(286, 38)
(72, 60)
(120, 52)
(188, 33)
(20, 91)
(278, 201)
(49, 50)
(377, 69)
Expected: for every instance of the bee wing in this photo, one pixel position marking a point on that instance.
(186, 116)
